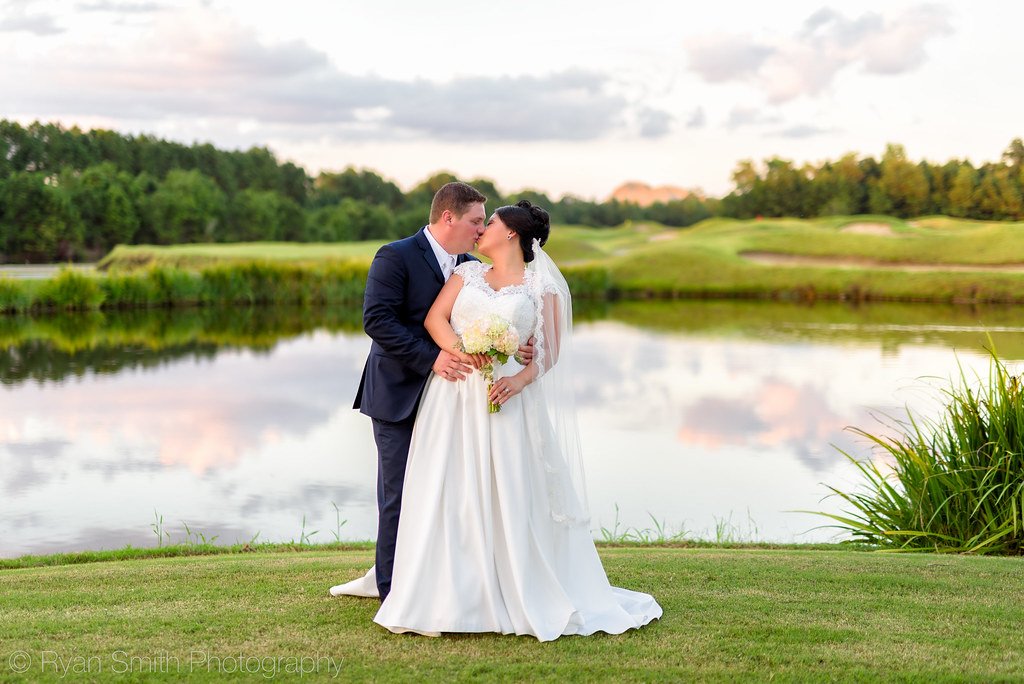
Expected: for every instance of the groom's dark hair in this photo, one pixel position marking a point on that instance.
(454, 197)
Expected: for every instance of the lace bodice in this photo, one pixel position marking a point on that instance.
(519, 304)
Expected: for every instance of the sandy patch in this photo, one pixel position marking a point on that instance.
(39, 271)
(881, 229)
(776, 259)
(661, 237)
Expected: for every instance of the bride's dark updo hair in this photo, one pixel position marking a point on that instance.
(529, 222)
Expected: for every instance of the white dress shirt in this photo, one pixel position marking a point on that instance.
(445, 260)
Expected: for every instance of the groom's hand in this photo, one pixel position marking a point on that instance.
(449, 367)
(475, 361)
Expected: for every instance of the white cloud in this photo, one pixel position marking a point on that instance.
(326, 84)
(654, 123)
(572, 105)
(803, 131)
(900, 47)
(121, 7)
(720, 57)
(229, 74)
(16, 17)
(784, 68)
(697, 119)
(748, 116)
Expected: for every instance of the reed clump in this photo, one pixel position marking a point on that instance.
(956, 482)
(14, 296)
(70, 290)
(589, 281)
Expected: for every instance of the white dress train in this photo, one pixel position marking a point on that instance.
(482, 546)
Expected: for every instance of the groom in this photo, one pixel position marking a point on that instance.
(405, 278)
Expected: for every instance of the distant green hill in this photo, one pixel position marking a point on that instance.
(853, 258)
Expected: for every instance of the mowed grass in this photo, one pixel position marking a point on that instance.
(711, 259)
(930, 240)
(204, 254)
(730, 615)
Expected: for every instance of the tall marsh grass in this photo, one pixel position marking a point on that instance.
(241, 283)
(14, 296)
(589, 281)
(956, 482)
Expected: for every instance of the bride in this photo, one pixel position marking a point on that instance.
(493, 534)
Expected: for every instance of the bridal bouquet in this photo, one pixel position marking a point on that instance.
(492, 335)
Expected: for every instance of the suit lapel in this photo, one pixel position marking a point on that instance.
(428, 255)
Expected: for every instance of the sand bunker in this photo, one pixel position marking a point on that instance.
(882, 229)
(776, 259)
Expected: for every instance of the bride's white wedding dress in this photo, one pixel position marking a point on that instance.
(492, 537)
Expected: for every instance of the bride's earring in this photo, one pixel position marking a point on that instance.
(510, 236)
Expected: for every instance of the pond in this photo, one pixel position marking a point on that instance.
(720, 419)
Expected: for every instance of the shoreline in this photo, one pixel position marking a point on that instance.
(185, 550)
(856, 259)
(758, 275)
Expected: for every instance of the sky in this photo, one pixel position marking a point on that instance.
(564, 96)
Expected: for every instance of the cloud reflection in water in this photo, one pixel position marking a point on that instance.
(685, 427)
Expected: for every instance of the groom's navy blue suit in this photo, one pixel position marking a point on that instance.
(403, 282)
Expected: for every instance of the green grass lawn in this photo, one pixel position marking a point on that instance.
(709, 259)
(201, 254)
(730, 615)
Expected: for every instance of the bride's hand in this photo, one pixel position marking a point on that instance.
(505, 388)
(526, 352)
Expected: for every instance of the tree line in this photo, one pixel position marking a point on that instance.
(66, 194)
(893, 186)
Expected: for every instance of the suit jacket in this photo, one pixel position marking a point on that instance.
(403, 282)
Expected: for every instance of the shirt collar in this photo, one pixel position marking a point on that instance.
(443, 258)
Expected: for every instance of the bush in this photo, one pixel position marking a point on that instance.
(957, 482)
(129, 290)
(588, 282)
(174, 286)
(15, 296)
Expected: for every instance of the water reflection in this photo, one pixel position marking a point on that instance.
(53, 348)
(239, 423)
